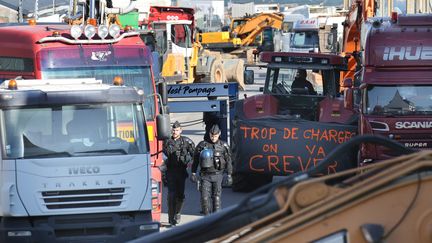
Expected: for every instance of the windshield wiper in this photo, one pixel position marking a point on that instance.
(121, 151)
(47, 155)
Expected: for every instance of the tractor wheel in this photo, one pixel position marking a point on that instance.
(217, 72)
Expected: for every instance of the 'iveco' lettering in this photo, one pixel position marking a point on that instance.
(84, 184)
(410, 125)
(410, 53)
(85, 170)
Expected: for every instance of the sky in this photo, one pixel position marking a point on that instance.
(29, 5)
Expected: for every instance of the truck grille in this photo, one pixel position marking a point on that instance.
(108, 197)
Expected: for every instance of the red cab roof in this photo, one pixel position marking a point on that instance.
(307, 58)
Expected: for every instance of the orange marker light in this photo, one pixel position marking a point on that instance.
(127, 28)
(31, 21)
(118, 81)
(56, 33)
(12, 84)
(92, 21)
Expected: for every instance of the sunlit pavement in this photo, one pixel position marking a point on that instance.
(185, 218)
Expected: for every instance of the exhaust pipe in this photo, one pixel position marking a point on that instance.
(92, 9)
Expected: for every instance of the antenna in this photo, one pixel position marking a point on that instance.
(20, 11)
(36, 10)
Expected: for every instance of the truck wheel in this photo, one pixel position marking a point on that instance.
(246, 183)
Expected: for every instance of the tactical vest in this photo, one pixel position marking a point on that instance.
(219, 156)
(180, 151)
(218, 161)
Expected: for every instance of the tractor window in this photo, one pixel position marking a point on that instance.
(281, 81)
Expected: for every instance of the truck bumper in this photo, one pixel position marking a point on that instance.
(107, 227)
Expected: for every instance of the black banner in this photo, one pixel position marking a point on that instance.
(284, 145)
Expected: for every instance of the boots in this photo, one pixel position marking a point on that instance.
(216, 203)
(179, 206)
(205, 204)
(171, 210)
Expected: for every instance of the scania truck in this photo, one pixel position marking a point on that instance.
(75, 162)
(396, 84)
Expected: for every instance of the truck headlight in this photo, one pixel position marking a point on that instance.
(75, 31)
(103, 31)
(89, 31)
(114, 30)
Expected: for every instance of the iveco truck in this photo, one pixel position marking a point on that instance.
(75, 162)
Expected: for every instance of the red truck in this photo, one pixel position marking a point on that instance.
(396, 85)
(50, 51)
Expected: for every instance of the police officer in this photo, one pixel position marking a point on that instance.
(211, 118)
(179, 152)
(213, 157)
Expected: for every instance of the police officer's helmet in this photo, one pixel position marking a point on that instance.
(206, 158)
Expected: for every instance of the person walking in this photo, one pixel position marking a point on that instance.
(213, 157)
(179, 151)
(211, 118)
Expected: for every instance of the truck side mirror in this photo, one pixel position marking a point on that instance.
(249, 76)
(162, 90)
(348, 93)
(348, 98)
(163, 126)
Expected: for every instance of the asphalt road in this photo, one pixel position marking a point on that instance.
(192, 208)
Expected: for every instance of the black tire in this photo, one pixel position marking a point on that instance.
(249, 182)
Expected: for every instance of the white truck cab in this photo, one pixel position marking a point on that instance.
(75, 162)
(321, 34)
(305, 37)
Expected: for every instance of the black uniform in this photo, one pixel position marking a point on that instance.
(211, 118)
(179, 154)
(211, 177)
(303, 84)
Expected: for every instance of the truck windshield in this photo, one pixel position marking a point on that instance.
(398, 100)
(305, 40)
(102, 63)
(83, 130)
